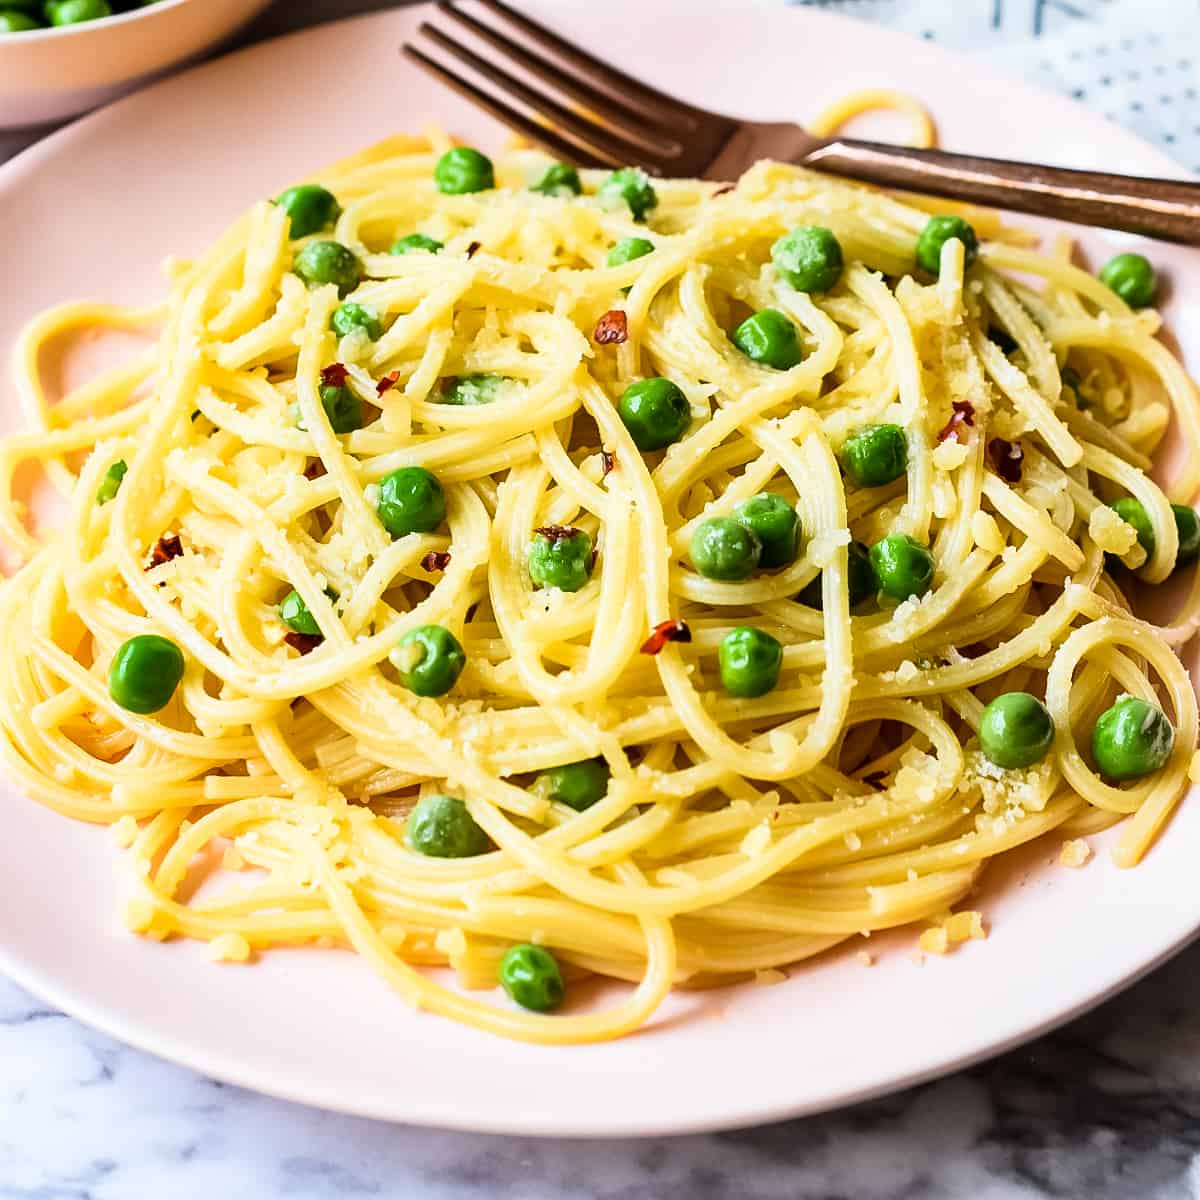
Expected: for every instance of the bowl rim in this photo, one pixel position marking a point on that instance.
(51, 32)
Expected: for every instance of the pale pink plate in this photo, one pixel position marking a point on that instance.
(91, 213)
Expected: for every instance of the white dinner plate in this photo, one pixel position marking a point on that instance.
(92, 212)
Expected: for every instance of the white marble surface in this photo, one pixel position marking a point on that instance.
(1106, 1109)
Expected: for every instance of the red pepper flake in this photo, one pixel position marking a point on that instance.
(964, 414)
(436, 560)
(304, 642)
(315, 469)
(664, 632)
(474, 249)
(1007, 458)
(387, 383)
(168, 547)
(609, 461)
(612, 328)
(557, 533)
(875, 779)
(334, 375)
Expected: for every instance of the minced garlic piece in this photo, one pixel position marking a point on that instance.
(1074, 853)
(1110, 532)
(229, 947)
(866, 959)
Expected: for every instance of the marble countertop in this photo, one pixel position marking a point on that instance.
(1107, 1108)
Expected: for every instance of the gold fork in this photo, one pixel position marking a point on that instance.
(589, 113)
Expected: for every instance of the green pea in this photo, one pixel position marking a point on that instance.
(1131, 739)
(655, 412)
(463, 170)
(1188, 526)
(411, 500)
(578, 785)
(749, 662)
(860, 580)
(937, 232)
(429, 660)
(343, 408)
(295, 614)
(530, 976)
(560, 557)
(110, 485)
(626, 250)
(470, 390)
(874, 455)
(774, 522)
(1132, 512)
(769, 338)
(73, 12)
(722, 548)
(349, 317)
(560, 179)
(809, 258)
(17, 22)
(1132, 277)
(902, 566)
(629, 187)
(145, 672)
(329, 262)
(415, 241)
(310, 208)
(1016, 730)
(441, 827)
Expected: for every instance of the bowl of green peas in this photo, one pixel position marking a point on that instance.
(62, 57)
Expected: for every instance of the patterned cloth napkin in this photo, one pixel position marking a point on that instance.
(1136, 61)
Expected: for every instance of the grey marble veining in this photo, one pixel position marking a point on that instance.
(1106, 1109)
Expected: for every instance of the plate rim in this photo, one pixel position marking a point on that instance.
(215, 1061)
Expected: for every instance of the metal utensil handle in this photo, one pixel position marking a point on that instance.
(1163, 208)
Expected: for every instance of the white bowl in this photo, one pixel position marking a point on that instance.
(50, 74)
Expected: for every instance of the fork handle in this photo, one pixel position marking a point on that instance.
(1162, 208)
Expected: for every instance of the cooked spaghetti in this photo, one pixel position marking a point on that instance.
(395, 600)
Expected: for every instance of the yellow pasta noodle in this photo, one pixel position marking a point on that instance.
(737, 835)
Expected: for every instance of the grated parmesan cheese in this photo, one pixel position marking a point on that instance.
(1110, 532)
(1074, 853)
(950, 454)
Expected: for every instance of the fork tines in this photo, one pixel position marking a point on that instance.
(564, 98)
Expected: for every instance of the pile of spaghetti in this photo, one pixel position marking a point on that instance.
(737, 834)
